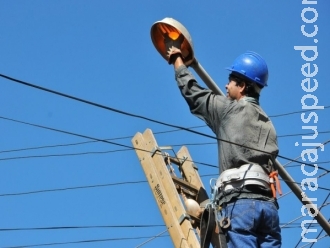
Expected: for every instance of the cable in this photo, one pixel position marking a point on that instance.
(75, 227)
(88, 153)
(113, 143)
(128, 137)
(133, 115)
(300, 134)
(86, 142)
(295, 112)
(120, 150)
(99, 105)
(318, 236)
(312, 243)
(158, 235)
(65, 154)
(318, 187)
(317, 147)
(109, 185)
(82, 187)
(128, 114)
(301, 216)
(296, 165)
(72, 188)
(109, 108)
(73, 134)
(82, 241)
(323, 204)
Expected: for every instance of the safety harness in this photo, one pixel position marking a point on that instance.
(213, 230)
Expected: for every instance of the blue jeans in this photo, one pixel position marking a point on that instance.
(254, 223)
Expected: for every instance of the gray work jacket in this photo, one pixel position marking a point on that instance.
(240, 122)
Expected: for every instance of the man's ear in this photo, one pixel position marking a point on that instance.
(242, 87)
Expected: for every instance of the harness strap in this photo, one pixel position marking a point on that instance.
(273, 178)
(211, 232)
(248, 174)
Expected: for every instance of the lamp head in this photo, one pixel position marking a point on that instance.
(173, 28)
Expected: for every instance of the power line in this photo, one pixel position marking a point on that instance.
(125, 145)
(283, 225)
(99, 105)
(84, 241)
(128, 137)
(300, 134)
(158, 235)
(86, 142)
(71, 133)
(312, 243)
(106, 152)
(65, 154)
(71, 188)
(109, 108)
(105, 185)
(89, 153)
(296, 165)
(77, 227)
(81, 187)
(128, 149)
(318, 236)
(127, 114)
(295, 112)
(323, 204)
(113, 143)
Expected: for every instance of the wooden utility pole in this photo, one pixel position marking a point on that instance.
(173, 193)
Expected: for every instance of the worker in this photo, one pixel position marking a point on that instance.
(247, 148)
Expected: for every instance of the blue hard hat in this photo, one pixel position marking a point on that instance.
(252, 66)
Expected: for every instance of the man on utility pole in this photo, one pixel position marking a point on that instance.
(247, 147)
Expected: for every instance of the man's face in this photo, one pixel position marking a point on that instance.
(234, 91)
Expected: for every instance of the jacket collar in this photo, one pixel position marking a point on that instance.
(251, 99)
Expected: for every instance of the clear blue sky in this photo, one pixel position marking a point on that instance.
(101, 51)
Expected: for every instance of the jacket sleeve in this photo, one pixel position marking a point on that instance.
(202, 102)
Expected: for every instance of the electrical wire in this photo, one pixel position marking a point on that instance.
(125, 137)
(301, 216)
(71, 188)
(295, 112)
(109, 108)
(312, 243)
(112, 184)
(81, 187)
(119, 150)
(19, 229)
(148, 151)
(297, 165)
(158, 235)
(127, 113)
(77, 227)
(100, 105)
(318, 236)
(83, 241)
(300, 134)
(86, 142)
(148, 119)
(323, 204)
(65, 154)
(114, 143)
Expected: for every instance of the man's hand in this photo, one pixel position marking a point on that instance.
(172, 54)
(173, 46)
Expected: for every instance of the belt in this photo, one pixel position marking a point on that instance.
(247, 174)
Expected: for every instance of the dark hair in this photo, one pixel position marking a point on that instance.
(249, 89)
